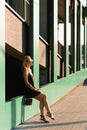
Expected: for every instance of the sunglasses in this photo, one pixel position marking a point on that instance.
(29, 60)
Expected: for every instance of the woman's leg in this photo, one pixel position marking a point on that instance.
(43, 102)
(39, 97)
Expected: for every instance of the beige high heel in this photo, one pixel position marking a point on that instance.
(50, 115)
(42, 117)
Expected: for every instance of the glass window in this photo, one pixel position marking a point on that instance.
(44, 19)
(44, 56)
(27, 8)
(22, 7)
(13, 77)
(43, 62)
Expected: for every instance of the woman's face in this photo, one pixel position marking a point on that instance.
(29, 61)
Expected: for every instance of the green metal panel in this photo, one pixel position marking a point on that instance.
(34, 38)
(2, 64)
(80, 36)
(74, 35)
(54, 20)
(66, 22)
(85, 36)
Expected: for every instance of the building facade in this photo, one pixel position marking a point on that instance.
(54, 33)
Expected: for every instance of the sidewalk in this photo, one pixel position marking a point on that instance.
(70, 113)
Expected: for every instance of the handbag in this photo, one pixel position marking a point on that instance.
(28, 101)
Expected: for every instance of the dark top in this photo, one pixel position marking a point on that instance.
(28, 92)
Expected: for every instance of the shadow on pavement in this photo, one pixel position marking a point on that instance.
(35, 124)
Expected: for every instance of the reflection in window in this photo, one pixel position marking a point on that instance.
(22, 7)
(60, 60)
(43, 62)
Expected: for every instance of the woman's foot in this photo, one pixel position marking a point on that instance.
(50, 115)
(42, 117)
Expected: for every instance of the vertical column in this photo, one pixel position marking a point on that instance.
(78, 36)
(34, 38)
(66, 22)
(54, 19)
(2, 64)
(25, 9)
(80, 51)
(85, 42)
(74, 35)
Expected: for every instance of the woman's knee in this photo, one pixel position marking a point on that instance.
(41, 97)
(44, 96)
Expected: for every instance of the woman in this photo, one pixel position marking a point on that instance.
(33, 92)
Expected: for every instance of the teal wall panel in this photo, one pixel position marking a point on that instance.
(66, 21)
(56, 90)
(16, 112)
(2, 64)
(54, 18)
(34, 38)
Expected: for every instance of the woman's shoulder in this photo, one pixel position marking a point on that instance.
(24, 70)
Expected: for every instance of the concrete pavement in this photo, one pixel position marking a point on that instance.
(70, 113)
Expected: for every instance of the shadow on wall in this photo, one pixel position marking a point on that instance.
(22, 111)
(14, 81)
(13, 113)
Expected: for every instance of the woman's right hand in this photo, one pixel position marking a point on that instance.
(37, 89)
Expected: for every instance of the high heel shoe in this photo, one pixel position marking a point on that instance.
(42, 117)
(50, 115)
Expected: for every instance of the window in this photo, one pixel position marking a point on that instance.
(13, 77)
(44, 56)
(22, 7)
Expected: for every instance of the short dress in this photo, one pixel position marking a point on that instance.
(28, 92)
